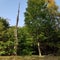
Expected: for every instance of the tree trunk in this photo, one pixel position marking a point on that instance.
(16, 33)
(39, 49)
(15, 42)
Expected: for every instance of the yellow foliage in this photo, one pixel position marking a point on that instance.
(51, 3)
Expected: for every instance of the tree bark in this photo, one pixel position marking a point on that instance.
(39, 50)
(15, 42)
(16, 33)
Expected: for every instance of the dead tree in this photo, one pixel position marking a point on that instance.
(16, 32)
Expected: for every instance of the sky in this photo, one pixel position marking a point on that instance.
(9, 8)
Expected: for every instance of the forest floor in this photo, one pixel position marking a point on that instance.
(29, 58)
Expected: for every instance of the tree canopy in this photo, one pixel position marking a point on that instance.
(39, 36)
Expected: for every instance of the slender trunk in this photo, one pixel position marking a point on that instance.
(15, 42)
(16, 33)
(39, 49)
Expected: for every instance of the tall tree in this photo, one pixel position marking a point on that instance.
(33, 19)
(15, 31)
(40, 19)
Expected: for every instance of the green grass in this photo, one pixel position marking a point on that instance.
(29, 58)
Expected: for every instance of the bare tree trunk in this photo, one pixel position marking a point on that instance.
(39, 49)
(15, 42)
(16, 33)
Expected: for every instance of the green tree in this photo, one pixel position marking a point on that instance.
(32, 19)
(41, 21)
(4, 25)
(6, 38)
(10, 41)
(25, 42)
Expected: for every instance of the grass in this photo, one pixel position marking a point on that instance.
(29, 58)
